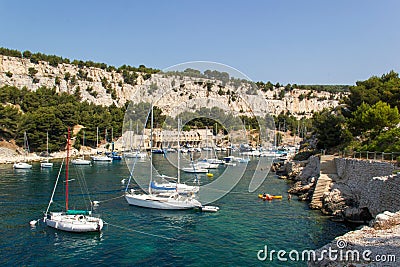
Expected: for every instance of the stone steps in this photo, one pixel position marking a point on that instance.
(321, 187)
(328, 173)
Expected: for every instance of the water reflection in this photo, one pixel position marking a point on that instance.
(82, 244)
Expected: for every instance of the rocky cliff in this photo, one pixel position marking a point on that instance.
(103, 87)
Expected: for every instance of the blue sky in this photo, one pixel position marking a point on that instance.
(303, 42)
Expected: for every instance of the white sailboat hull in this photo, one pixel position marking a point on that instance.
(215, 161)
(140, 155)
(206, 165)
(194, 170)
(101, 158)
(162, 203)
(173, 187)
(22, 165)
(268, 154)
(81, 162)
(74, 223)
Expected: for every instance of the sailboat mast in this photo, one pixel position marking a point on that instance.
(207, 142)
(151, 147)
(25, 149)
(216, 134)
(97, 137)
(26, 146)
(66, 174)
(47, 144)
(137, 132)
(179, 153)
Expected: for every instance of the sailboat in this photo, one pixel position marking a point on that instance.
(71, 220)
(207, 163)
(195, 169)
(46, 163)
(169, 185)
(82, 160)
(100, 157)
(167, 200)
(134, 153)
(201, 166)
(271, 152)
(23, 165)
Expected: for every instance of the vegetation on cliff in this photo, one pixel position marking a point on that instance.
(318, 88)
(367, 120)
(54, 60)
(48, 111)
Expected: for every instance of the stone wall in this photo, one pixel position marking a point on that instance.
(381, 194)
(363, 185)
(357, 174)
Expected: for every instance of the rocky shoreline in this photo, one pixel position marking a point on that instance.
(10, 156)
(351, 190)
(375, 245)
(303, 175)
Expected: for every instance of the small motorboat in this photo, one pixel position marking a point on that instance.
(46, 164)
(22, 165)
(209, 208)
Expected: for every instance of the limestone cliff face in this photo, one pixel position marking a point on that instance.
(50, 77)
(103, 87)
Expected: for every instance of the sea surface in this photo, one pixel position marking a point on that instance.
(136, 236)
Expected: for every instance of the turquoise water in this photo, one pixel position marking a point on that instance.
(144, 237)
